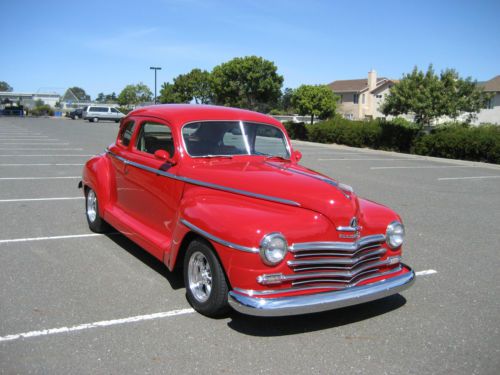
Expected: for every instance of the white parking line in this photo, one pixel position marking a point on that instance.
(466, 178)
(426, 272)
(102, 323)
(28, 137)
(38, 165)
(39, 199)
(51, 238)
(132, 319)
(39, 178)
(367, 159)
(35, 144)
(48, 155)
(42, 149)
(427, 167)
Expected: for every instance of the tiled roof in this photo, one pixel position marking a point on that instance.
(352, 85)
(491, 85)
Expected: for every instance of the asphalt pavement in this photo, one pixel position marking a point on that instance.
(75, 302)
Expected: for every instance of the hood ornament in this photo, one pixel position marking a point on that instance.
(353, 229)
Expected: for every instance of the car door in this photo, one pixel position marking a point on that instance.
(150, 198)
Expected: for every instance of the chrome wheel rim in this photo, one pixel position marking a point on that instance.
(199, 277)
(91, 205)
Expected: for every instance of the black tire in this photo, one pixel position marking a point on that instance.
(96, 223)
(213, 302)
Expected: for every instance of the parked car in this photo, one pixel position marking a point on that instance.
(77, 113)
(219, 192)
(95, 113)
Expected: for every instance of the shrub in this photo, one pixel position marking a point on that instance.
(42, 110)
(398, 135)
(296, 130)
(351, 133)
(457, 141)
(124, 110)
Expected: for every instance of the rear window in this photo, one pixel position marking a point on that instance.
(126, 133)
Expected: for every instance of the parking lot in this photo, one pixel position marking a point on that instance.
(76, 302)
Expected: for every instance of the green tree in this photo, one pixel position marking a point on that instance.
(194, 85)
(110, 98)
(247, 82)
(135, 94)
(428, 96)
(285, 101)
(100, 98)
(315, 101)
(169, 95)
(4, 86)
(80, 93)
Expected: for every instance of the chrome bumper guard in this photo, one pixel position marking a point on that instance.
(312, 303)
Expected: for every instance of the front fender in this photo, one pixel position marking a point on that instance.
(98, 175)
(244, 221)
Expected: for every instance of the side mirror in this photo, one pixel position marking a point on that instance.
(165, 156)
(296, 156)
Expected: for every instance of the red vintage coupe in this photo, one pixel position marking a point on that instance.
(219, 192)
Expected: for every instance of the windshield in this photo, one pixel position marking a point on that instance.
(226, 138)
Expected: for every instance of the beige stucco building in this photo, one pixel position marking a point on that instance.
(361, 98)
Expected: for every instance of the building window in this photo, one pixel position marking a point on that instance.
(356, 98)
(363, 98)
(341, 98)
(379, 96)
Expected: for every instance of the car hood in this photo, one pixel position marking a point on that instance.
(285, 181)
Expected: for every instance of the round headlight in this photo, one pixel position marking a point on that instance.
(273, 248)
(395, 234)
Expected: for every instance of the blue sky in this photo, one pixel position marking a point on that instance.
(105, 45)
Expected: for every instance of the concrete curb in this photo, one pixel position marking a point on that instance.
(335, 146)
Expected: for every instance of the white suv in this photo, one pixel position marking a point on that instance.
(94, 113)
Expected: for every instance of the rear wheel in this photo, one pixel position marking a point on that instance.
(95, 119)
(96, 223)
(206, 285)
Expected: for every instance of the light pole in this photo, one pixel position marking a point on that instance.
(155, 68)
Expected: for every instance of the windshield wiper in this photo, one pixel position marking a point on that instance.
(269, 157)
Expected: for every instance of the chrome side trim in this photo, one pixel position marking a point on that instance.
(341, 246)
(231, 245)
(272, 292)
(202, 183)
(312, 303)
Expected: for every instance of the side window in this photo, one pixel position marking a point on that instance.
(153, 137)
(114, 110)
(126, 133)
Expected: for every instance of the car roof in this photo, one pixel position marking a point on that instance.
(179, 114)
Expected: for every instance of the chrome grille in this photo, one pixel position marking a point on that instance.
(336, 263)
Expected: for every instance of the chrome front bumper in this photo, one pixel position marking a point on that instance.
(312, 303)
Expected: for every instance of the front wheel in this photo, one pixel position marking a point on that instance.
(96, 223)
(95, 119)
(206, 285)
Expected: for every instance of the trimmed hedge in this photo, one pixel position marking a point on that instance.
(461, 142)
(377, 134)
(456, 141)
